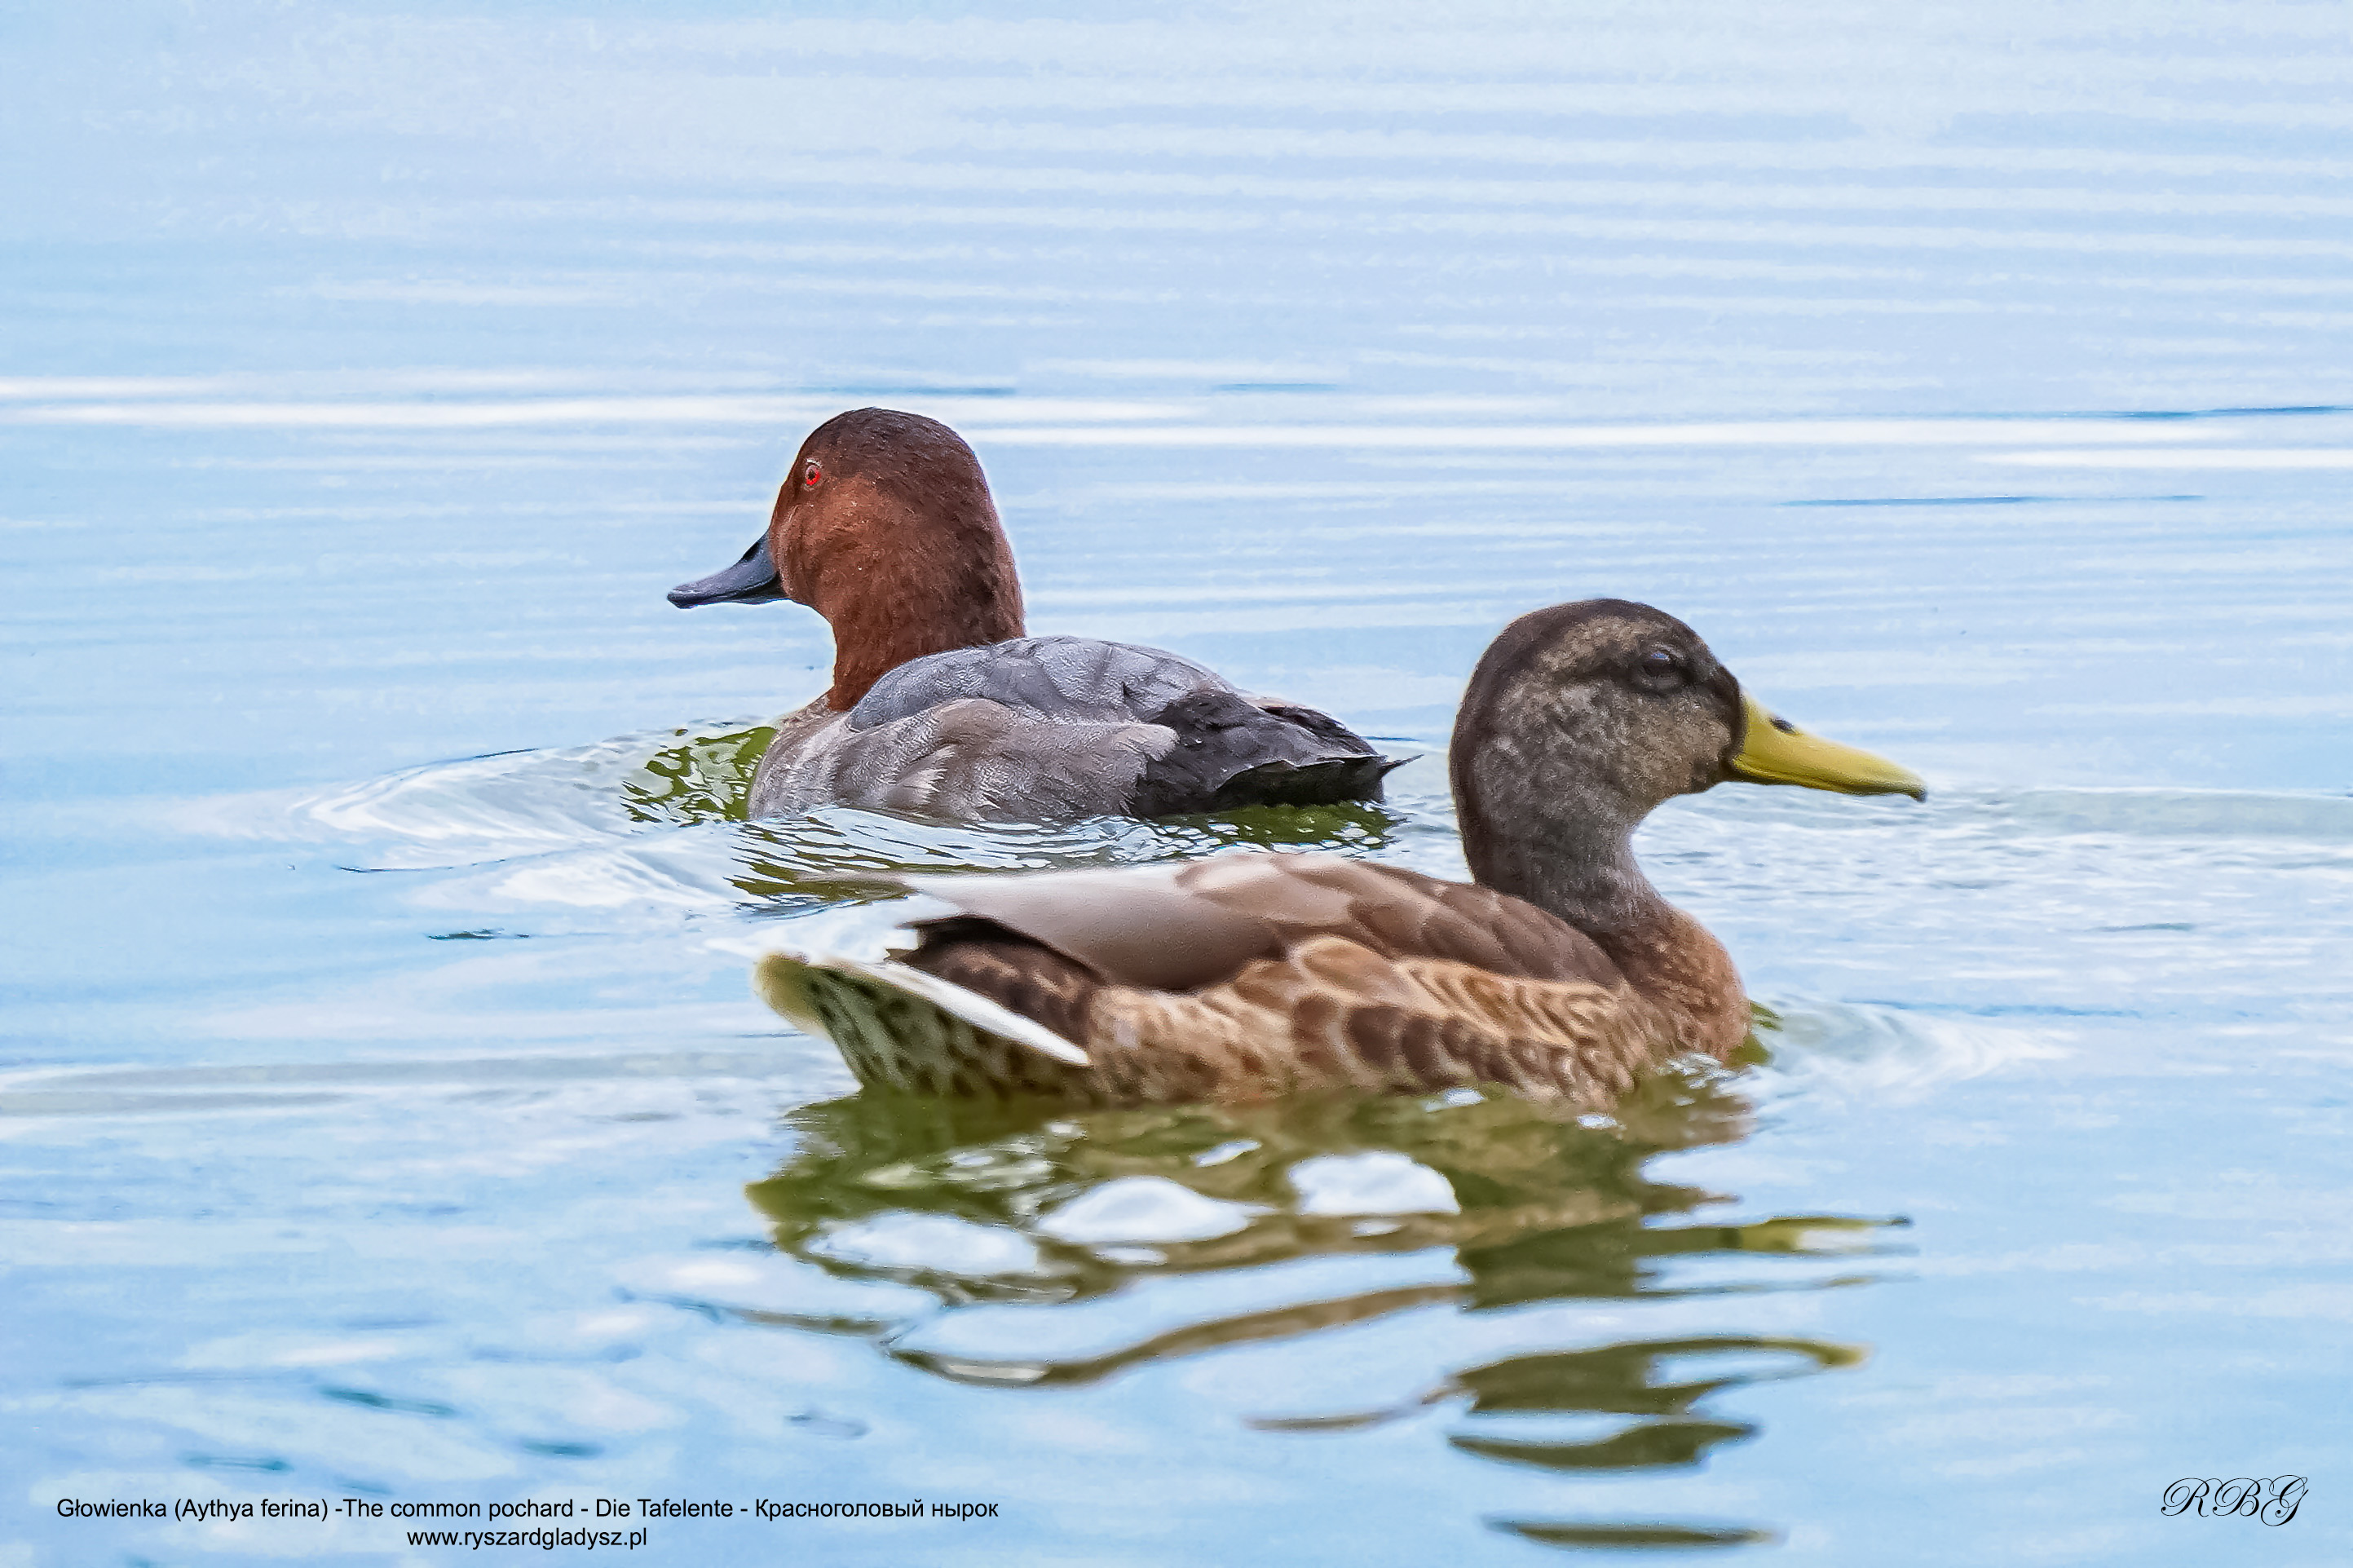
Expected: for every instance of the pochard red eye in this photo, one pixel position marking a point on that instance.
(810, 476)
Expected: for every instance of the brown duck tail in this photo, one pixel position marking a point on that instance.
(901, 1029)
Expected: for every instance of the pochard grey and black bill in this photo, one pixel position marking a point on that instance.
(751, 580)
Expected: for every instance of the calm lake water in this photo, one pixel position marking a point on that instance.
(384, 1112)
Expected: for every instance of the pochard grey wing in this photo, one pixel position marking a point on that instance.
(969, 759)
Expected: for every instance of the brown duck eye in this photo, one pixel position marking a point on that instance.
(811, 475)
(1662, 663)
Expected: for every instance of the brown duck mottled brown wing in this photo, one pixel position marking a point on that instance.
(1328, 1013)
(1181, 927)
(1400, 913)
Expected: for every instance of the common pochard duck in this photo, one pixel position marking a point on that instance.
(1560, 974)
(941, 705)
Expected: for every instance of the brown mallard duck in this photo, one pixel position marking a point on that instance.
(1560, 974)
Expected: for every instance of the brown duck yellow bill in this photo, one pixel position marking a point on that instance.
(1777, 752)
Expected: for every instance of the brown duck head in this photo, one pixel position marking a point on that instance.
(885, 527)
(1583, 718)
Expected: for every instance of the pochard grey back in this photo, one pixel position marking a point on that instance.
(1078, 678)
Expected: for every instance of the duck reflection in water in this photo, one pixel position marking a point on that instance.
(1029, 1208)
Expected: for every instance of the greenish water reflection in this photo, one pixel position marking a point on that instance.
(706, 779)
(1530, 1205)
(1622, 1536)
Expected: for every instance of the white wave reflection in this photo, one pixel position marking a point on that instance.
(2274, 457)
(1895, 1056)
(460, 812)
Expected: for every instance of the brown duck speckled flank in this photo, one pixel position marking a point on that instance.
(1561, 975)
(941, 707)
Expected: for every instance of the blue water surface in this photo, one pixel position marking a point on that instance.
(384, 1112)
